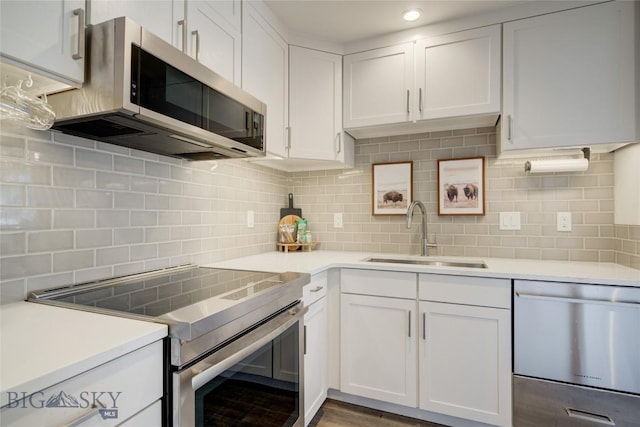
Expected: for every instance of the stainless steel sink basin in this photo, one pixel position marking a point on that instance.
(432, 262)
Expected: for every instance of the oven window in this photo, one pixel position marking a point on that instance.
(263, 389)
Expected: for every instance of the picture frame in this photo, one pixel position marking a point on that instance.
(461, 186)
(392, 188)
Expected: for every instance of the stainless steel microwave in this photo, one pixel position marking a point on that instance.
(143, 93)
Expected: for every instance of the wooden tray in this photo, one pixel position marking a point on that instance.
(288, 220)
(286, 247)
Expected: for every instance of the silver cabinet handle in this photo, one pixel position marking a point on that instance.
(317, 289)
(508, 127)
(183, 24)
(409, 323)
(287, 145)
(92, 411)
(408, 110)
(577, 300)
(420, 99)
(81, 27)
(424, 326)
(339, 145)
(304, 345)
(197, 34)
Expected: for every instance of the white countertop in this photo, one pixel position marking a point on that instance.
(562, 271)
(41, 345)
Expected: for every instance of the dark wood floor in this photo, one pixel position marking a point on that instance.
(339, 414)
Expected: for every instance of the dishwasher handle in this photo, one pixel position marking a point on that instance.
(629, 304)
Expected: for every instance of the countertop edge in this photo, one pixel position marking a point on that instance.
(141, 334)
(557, 271)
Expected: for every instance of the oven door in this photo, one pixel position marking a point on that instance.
(257, 379)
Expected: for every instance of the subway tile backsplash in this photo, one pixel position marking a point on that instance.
(588, 196)
(74, 210)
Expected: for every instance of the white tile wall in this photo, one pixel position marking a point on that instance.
(73, 210)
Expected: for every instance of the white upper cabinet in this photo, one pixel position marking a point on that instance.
(213, 35)
(378, 86)
(162, 19)
(569, 79)
(265, 74)
(315, 106)
(458, 74)
(439, 83)
(46, 37)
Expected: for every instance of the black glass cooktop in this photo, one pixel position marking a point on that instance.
(160, 292)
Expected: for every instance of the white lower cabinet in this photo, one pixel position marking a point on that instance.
(378, 337)
(461, 352)
(121, 390)
(443, 346)
(315, 346)
(378, 348)
(465, 347)
(151, 416)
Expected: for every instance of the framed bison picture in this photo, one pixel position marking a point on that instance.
(392, 188)
(461, 186)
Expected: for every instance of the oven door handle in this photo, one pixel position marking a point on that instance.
(577, 300)
(202, 378)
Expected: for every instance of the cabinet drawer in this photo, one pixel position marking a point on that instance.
(481, 291)
(315, 289)
(380, 283)
(123, 387)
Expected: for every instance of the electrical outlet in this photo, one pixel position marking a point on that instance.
(250, 219)
(564, 221)
(337, 220)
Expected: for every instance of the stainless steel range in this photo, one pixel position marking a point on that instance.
(231, 333)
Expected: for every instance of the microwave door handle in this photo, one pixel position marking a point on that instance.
(210, 373)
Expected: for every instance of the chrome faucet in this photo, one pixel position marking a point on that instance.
(425, 245)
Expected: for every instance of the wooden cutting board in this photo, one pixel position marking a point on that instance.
(288, 220)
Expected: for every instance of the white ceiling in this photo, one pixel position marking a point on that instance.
(349, 20)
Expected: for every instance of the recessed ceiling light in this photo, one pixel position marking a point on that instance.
(411, 14)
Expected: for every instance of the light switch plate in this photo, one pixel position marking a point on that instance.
(337, 220)
(509, 220)
(250, 219)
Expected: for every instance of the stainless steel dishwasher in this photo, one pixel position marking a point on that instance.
(576, 354)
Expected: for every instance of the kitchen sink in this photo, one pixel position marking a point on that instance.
(431, 262)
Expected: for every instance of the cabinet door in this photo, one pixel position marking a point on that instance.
(378, 348)
(465, 362)
(265, 74)
(120, 389)
(378, 86)
(315, 358)
(315, 98)
(212, 38)
(161, 19)
(458, 74)
(46, 36)
(568, 78)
